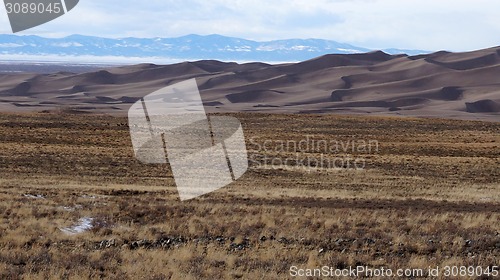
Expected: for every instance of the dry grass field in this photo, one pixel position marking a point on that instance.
(75, 204)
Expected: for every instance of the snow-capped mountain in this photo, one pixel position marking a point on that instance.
(190, 47)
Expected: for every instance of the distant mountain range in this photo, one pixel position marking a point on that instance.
(190, 47)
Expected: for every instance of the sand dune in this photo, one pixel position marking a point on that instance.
(483, 106)
(442, 84)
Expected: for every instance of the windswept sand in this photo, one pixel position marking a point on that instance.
(442, 84)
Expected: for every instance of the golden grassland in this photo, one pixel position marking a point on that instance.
(429, 195)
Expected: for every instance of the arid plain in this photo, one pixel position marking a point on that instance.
(76, 204)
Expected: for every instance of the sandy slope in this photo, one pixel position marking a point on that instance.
(442, 84)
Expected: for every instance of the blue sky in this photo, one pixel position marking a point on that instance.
(456, 25)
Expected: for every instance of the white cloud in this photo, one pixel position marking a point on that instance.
(424, 24)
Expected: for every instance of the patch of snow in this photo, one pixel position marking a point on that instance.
(236, 49)
(299, 48)
(11, 45)
(83, 225)
(136, 45)
(71, 209)
(67, 44)
(267, 48)
(38, 196)
(349, 50)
